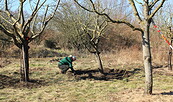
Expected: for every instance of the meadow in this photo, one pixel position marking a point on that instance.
(125, 83)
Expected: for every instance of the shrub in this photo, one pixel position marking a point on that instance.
(50, 44)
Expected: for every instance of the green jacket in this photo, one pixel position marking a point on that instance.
(66, 61)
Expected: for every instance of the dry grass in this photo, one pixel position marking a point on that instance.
(49, 86)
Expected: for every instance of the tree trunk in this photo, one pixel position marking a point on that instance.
(99, 62)
(170, 58)
(147, 59)
(25, 61)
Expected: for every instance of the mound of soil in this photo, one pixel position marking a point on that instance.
(96, 75)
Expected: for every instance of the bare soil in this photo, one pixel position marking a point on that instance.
(108, 74)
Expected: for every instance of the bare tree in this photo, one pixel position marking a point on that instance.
(94, 32)
(65, 23)
(170, 51)
(144, 21)
(168, 30)
(164, 22)
(24, 30)
(83, 29)
(164, 19)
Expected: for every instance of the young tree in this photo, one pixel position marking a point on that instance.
(83, 29)
(24, 29)
(144, 21)
(164, 18)
(94, 32)
(170, 50)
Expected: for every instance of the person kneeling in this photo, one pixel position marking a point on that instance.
(66, 63)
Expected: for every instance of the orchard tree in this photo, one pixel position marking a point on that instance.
(24, 29)
(164, 18)
(94, 32)
(83, 29)
(144, 18)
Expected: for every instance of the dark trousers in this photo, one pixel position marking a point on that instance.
(63, 68)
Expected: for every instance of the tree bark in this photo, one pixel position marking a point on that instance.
(99, 62)
(146, 49)
(25, 61)
(170, 58)
(147, 59)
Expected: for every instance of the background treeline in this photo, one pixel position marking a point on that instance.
(65, 31)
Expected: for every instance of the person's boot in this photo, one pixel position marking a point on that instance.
(63, 72)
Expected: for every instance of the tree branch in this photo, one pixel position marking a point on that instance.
(104, 14)
(83, 6)
(46, 21)
(16, 32)
(53, 12)
(5, 19)
(103, 28)
(45, 14)
(10, 34)
(132, 3)
(21, 15)
(138, 2)
(153, 3)
(154, 12)
(33, 14)
(3, 28)
(8, 12)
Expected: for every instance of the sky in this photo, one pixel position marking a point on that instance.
(15, 4)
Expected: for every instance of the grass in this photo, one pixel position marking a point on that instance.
(49, 86)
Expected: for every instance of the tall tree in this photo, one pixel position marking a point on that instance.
(24, 29)
(144, 19)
